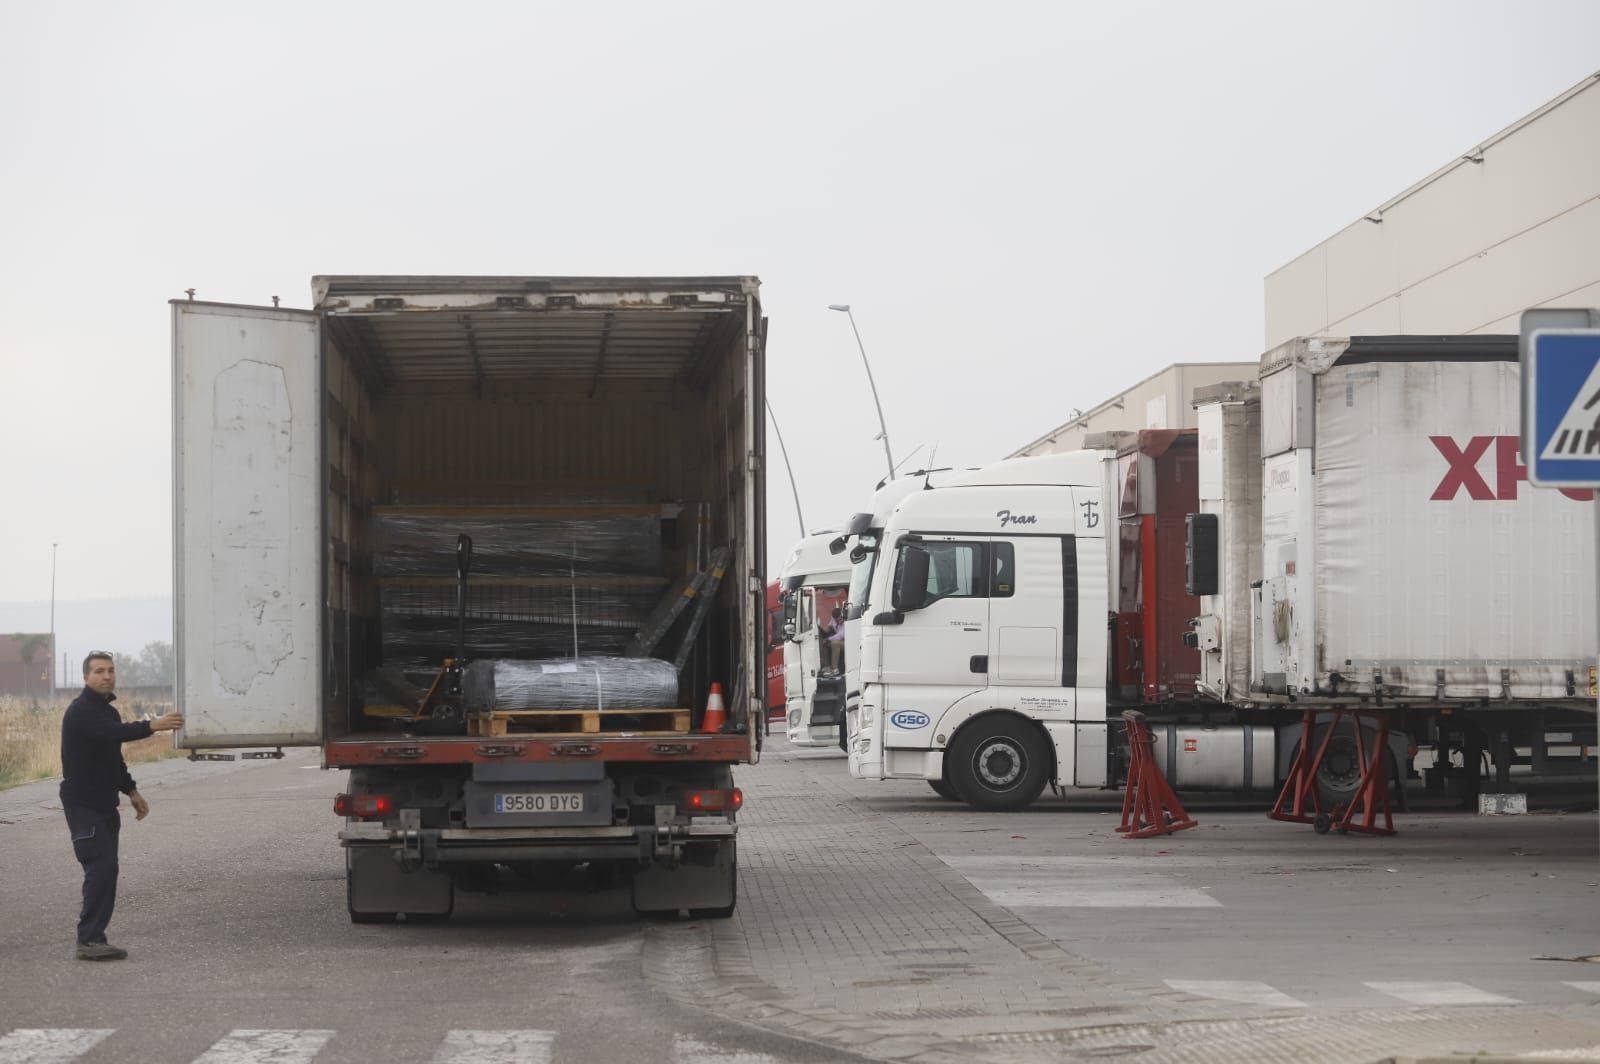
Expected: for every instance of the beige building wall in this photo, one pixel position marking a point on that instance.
(1514, 223)
(1161, 401)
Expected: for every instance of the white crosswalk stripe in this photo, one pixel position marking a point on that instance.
(1240, 990)
(691, 1051)
(266, 1047)
(1587, 988)
(1441, 993)
(49, 1045)
(1080, 882)
(496, 1047)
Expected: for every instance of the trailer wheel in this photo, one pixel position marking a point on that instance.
(1340, 774)
(943, 789)
(998, 763)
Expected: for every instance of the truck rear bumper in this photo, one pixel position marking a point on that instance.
(443, 846)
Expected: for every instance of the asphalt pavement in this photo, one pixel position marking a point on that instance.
(876, 921)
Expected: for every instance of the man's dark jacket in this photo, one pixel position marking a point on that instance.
(92, 769)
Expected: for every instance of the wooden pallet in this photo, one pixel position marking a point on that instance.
(580, 721)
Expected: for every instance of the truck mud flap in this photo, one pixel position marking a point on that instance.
(377, 885)
(706, 879)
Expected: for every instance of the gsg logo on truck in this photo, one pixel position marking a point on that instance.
(910, 720)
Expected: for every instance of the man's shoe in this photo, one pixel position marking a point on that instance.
(100, 951)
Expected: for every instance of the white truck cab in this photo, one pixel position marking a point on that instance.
(982, 617)
(813, 586)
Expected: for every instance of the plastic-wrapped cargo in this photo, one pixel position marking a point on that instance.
(1402, 553)
(521, 541)
(511, 619)
(571, 683)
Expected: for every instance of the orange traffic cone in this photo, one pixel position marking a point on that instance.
(716, 715)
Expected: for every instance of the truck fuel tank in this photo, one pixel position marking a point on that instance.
(1219, 757)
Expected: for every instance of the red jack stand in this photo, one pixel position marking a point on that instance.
(1149, 807)
(1372, 791)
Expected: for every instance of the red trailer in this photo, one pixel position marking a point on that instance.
(1158, 473)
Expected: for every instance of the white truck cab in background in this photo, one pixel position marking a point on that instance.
(983, 633)
(813, 585)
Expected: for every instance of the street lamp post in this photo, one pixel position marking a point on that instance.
(883, 429)
(53, 547)
(792, 485)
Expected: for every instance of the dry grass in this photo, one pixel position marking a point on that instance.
(30, 739)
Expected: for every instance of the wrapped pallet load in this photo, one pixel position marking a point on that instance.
(572, 683)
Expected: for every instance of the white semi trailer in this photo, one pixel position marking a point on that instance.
(1349, 533)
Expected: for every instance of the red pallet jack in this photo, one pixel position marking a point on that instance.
(1372, 792)
(1149, 807)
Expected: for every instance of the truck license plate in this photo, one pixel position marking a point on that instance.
(556, 802)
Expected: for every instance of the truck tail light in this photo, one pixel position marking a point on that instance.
(728, 801)
(365, 806)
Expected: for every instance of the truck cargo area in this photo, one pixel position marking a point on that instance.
(590, 441)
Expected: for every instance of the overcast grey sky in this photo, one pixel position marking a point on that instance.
(1030, 206)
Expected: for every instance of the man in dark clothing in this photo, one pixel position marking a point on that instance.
(92, 773)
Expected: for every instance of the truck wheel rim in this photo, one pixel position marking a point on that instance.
(1341, 768)
(1000, 763)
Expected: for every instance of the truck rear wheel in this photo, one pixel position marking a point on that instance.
(943, 789)
(997, 763)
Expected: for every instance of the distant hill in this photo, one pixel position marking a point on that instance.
(122, 626)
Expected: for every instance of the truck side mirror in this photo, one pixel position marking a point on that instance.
(1200, 554)
(911, 584)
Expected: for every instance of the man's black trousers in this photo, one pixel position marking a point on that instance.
(94, 841)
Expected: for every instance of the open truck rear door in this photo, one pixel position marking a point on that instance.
(247, 517)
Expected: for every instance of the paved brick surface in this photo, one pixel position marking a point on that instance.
(851, 933)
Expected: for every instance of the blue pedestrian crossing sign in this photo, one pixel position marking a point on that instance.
(1562, 389)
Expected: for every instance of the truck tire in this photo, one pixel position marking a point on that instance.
(998, 762)
(943, 789)
(1340, 774)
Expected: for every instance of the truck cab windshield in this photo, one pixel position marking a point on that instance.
(861, 572)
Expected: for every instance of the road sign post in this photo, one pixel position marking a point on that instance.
(1560, 355)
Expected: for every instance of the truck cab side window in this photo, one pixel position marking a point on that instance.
(955, 570)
